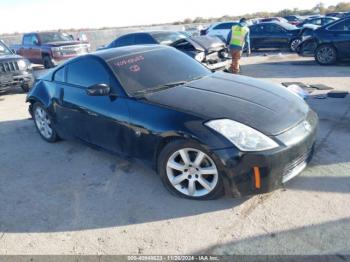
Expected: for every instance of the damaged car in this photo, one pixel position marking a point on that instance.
(205, 133)
(15, 71)
(210, 51)
(328, 44)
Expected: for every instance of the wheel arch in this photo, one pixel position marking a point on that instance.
(227, 182)
(327, 44)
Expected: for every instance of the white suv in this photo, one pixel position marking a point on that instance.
(221, 29)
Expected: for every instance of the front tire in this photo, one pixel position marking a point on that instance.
(294, 44)
(188, 170)
(47, 61)
(326, 55)
(43, 123)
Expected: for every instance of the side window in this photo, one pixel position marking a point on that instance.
(141, 39)
(328, 20)
(86, 72)
(273, 29)
(124, 41)
(27, 39)
(256, 29)
(59, 75)
(342, 26)
(34, 40)
(316, 21)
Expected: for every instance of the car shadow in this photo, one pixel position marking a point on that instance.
(328, 240)
(68, 186)
(12, 91)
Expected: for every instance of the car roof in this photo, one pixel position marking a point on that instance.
(150, 32)
(271, 22)
(224, 22)
(107, 54)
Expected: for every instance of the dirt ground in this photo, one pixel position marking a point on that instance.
(66, 198)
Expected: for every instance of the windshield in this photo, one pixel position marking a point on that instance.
(289, 26)
(54, 37)
(167, 38)
(154, 69)
(4, 50)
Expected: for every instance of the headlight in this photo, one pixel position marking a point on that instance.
(243, 137)
(200, 57)
(22, 65)
(55, 49)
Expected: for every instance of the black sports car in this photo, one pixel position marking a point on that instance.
(204, 133)
(210, 51)
(274, 35)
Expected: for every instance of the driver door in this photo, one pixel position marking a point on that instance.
(98, 120)
(340, 35)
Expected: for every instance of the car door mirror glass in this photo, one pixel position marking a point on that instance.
(99, 90)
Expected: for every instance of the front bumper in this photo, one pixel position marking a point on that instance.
(276, 167)
(218, 66)
(18, 79)
(307, 48)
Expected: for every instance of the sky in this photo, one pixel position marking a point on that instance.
(37, 15)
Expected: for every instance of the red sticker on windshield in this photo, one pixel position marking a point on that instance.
(128, 61)
(134, 68)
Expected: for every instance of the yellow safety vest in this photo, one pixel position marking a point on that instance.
(239, 34)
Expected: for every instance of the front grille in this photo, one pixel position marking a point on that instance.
(8, 67)
(73, 49)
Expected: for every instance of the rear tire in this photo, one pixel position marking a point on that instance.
(326, 55)
(43, 123)
(47, 61)
(190, 171)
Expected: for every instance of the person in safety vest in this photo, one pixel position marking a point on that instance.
(237, 39)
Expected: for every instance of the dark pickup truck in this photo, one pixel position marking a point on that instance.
(14, 70)
(50, 48)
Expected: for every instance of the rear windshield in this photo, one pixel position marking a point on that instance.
(143, 71)
(167, 38)
(54, 37)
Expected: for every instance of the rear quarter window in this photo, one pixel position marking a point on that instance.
(59, 75)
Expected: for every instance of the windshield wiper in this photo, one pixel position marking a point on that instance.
(159, 88)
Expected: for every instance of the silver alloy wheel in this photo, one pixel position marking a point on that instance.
(325, 55)
(43, 122)
(294, 45)
(192, 172)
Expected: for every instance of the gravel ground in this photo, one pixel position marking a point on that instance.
(66, 198)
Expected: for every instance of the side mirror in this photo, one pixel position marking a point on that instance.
(98, 90)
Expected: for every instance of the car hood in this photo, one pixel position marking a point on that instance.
(269, 108)
(62, 43)
(4, 58)
(206, 43)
